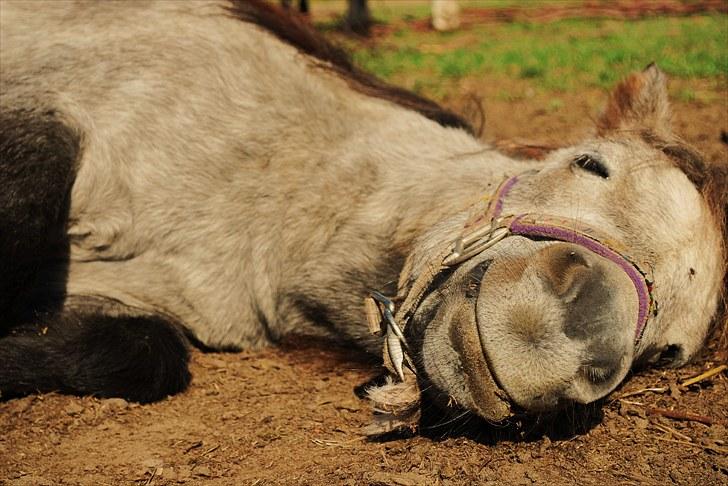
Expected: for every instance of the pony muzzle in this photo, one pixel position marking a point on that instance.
(563, 310)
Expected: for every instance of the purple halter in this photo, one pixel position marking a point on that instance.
(555, 228)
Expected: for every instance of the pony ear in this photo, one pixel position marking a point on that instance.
(638, 103)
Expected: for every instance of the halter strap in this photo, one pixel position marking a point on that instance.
(571, 231)
(483, 230)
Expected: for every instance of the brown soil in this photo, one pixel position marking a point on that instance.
(513, 110)
(290, 415)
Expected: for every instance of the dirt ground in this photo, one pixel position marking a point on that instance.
(291, 416)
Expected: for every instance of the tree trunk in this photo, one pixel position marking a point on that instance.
(358, 18)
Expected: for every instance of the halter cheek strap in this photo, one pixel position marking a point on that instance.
(481, 232)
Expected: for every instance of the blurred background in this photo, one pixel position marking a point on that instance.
(540, 70)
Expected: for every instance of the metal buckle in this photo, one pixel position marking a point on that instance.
(397, 347)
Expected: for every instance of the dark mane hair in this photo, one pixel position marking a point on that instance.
(711, 179)
(293, 29)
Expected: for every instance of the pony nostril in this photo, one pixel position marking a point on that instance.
(564, 267)
(599, 375)
(671, 355)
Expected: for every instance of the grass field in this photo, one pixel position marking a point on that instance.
(558, 55)
(553, 56)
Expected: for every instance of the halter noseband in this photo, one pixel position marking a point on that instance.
(481, 232)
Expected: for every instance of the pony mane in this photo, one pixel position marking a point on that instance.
(293, 29)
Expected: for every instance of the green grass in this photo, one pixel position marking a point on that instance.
(558, 55)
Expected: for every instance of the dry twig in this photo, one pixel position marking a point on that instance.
(704, 376)
(714, 448)
(673, 414)
(641, 391)
(211, 450)
(194, 445)
(678, 415)
(336, 443)
(149, 481)
(686, 383)
(671, 431)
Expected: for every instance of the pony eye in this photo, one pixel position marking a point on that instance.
(593, 165)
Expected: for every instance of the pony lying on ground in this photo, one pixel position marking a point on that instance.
(214, 171)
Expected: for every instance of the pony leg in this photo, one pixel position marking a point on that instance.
(95, 345)
(38, 159)
(141, 358)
